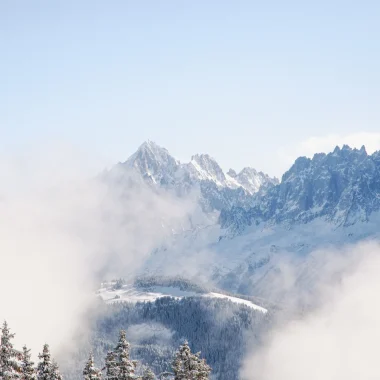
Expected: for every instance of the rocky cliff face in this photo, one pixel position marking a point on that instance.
(343, 187)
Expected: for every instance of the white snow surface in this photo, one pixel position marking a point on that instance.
(237, 300)
(129, 293)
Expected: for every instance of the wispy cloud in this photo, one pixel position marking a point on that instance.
(59, 233)
(338, 339)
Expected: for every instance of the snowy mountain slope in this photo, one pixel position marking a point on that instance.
(262, 259)
(133, 294)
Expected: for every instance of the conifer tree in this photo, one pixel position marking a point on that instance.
(9, 368)
(148, 374)
(27, 369)
(126, 366)
(90, 372)
(183, 364)
(189, 366)
(44, 367)
(55, 374)
(111, 366)
(203, 369)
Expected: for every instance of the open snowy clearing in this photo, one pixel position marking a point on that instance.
(129, 293)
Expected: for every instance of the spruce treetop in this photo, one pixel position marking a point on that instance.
(90, 372)
(189, 366)
(9, 366)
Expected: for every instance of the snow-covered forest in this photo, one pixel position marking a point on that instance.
(219, 328)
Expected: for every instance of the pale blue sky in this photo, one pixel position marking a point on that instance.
(246, 81)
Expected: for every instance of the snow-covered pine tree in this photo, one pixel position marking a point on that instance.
(126, 366)
(9, 367)
(183, 364)
(189, 366)
(203, 369)
(111, 366)
(27, 366)
(148, 374)
(55, 373)
(44, 367)
(90, 372)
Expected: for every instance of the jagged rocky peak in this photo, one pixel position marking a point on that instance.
(248, 171)
(153, 162)
(232, 173)
(149, 152)
(252, 180)
(206, 168)
(249, 179)
(329, 183)
(339, 157)
(155, 166)
(346, 149)
(342, 186)
(319, 156)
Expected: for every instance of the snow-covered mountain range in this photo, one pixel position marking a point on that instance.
(155, 164)
(331, 200)
(218, 190)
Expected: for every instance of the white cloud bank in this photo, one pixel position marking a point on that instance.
(57, 233)
(337, 341)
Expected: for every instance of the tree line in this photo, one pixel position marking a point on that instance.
(17, 365)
